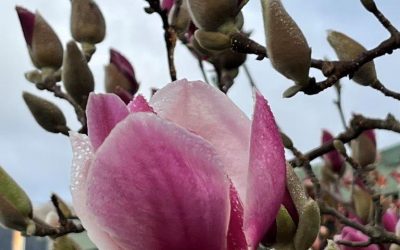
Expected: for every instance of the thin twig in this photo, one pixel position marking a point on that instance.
(358, 124)
(50, 84)
(203, 72)
(338, 103)
(169, 34)
(376, 233)
(380, 87)
(43, 230)
(249, 76)
(371, 7)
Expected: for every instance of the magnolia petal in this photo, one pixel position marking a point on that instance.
(389, 220)
(267, 173)
(139, 104)
(82, 158)
(209, 113)
(236, 240)
(103, 111)
(351, 234)
(155, 185)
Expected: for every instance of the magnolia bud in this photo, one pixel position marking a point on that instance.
(45, 48)
(120, 77)
(295, 188)
(212, 40)
(287, 47)
(308, 227)
(87, 22)
(46, 114)
(15, 205)
(389, 220)
(77, 77)
(364, 148)
(285, 227)
(363, 204)
(179, 19)
(348, 49)
(65, 243)
(212, 15)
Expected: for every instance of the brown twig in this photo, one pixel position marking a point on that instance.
(358, 124)
(371, 7)
(169, 34)
(387, 92)
(377, 234)
(305, 163)
(249, 77)
(43, 230)
(338, 103)
(50, 84)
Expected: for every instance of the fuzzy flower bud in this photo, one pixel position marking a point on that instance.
(120, 77)
(287, 47)
(65, 243)
(298, 219)
(77, 77)
(348, 49)
(15, 205)
(46, 113)
(87, 22)
(214, 15)
(364, 148)
(45, 48)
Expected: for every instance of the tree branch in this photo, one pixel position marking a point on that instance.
(169, 34)
(358, 124)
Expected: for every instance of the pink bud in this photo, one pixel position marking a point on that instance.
(334, 160)
(45, 48)
(167, 4)
(120, 77)
(125, 67)
(27, 20)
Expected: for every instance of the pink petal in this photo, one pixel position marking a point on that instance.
(389, 220)
(103, 111)
(27, 20)
(139, 104)
(371, 135)
(351, 234)
(167, 4)
(82, 159)
(155, 185)
(236, 239)
(267, 173)
(209, 113)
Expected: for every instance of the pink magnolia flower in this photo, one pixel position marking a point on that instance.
(351, 234)
(334, 160)
(186, 171)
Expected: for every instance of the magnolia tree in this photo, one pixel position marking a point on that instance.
(187, 169)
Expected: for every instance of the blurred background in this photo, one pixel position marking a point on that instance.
(40, 162)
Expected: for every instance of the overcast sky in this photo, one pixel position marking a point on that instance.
(41, 161)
